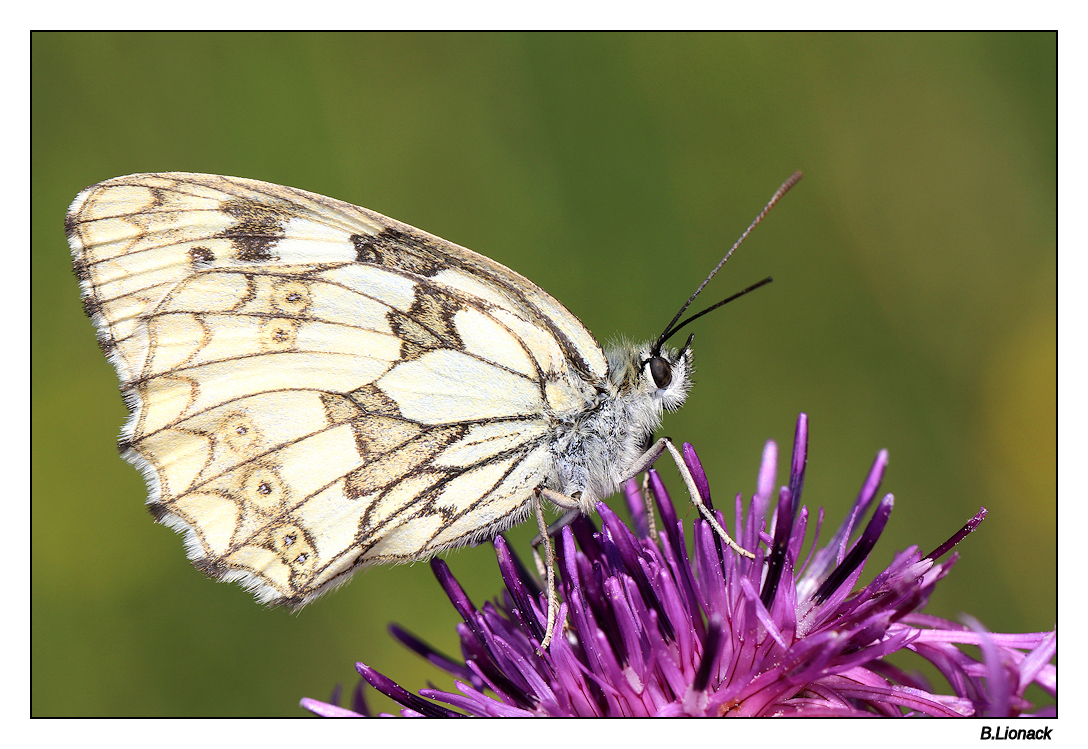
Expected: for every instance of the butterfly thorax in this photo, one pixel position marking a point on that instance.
(595, 450)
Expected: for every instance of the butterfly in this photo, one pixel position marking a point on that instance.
(314, 387)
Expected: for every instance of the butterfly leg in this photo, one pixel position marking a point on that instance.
(652, 455)
(546, 569)
(551, 530)
(558, 525)
(651, 526)
(549, 571)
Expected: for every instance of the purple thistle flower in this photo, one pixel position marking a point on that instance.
(648, 628)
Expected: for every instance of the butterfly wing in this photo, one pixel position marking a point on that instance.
(314, 386)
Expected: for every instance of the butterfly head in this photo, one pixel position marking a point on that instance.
(656, 375)
(669, 372)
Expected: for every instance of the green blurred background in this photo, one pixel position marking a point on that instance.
(913, 309)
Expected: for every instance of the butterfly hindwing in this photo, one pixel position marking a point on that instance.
(314, 386)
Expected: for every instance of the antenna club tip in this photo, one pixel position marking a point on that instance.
(793, 180)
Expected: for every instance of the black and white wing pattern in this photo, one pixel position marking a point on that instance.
(315, 387)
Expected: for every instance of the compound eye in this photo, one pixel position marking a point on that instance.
(660, 371)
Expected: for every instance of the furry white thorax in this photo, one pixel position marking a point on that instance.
(595, 451)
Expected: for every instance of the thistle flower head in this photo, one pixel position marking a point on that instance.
(648, 627)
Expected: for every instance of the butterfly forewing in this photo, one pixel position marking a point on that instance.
(314, 386)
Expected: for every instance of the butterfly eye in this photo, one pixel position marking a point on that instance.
(660, 371)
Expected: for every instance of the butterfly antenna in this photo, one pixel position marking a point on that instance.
(672, 327)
